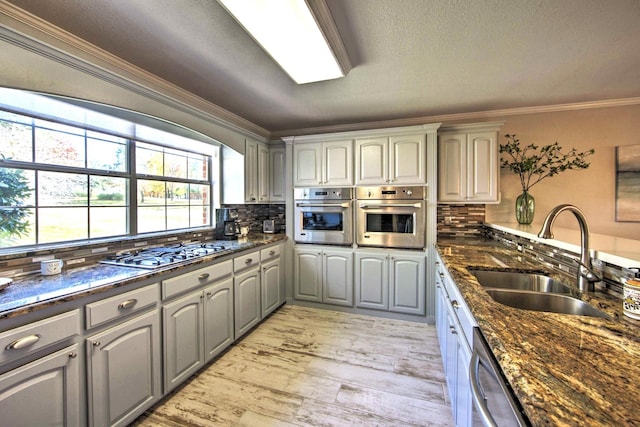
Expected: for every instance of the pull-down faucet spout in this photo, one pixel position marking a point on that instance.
(586, 276)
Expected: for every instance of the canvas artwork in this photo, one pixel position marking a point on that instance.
(628, 183)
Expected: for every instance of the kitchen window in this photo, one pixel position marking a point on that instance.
(63, 182)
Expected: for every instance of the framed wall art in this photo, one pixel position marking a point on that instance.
(628, 183)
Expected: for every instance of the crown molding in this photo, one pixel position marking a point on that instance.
(448, 118)
(34, 34)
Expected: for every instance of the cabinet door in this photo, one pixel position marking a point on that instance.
(451, 359)
(42, 393)
(372, 159)
(308, 275)
(183, 352)
(277, 174)
(463, 404)
(441, 320)
(452, 161)
(307, 164)
(407, 284)
(337, 161)
(407, 159)
(246, 288)
(372, 281)
(251, 171)
(218, 318)
(123, 368)
(483, 168)
(338, 277)
(271, 278)
(262, 175)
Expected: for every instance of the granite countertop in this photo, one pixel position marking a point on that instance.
(565, 370)
(36, 292)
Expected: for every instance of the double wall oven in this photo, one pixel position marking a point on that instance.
(391, 217)
(323, 215)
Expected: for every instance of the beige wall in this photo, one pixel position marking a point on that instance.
(593, 189)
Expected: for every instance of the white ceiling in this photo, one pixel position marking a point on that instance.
(411, 58)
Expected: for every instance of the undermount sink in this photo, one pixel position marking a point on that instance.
(533, 291)
(539, 301)
(519, 281)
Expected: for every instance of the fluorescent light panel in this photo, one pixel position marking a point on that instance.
(287, 30)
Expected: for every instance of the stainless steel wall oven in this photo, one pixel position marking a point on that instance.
(323, 215)
(391, 217)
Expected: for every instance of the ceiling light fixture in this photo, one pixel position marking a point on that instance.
(299, 35)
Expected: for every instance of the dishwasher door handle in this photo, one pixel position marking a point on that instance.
(476, 391)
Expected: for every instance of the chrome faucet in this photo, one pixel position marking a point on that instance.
(586, 276)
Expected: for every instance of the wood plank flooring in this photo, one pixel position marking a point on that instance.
(310, 367)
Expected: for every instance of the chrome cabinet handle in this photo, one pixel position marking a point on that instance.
(455, 304)
(272, 252)
(442, 276)
(209, 294)
(203, 276)
(453, 330)
(73, 355)
(23, 342)
(248, 261)
(128, 303)
(96, 343)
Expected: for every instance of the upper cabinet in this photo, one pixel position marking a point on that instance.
(323, 164)
(468, 164)
(256, 177)
(391, 160)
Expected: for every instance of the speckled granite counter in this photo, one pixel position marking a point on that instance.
(36, 292)
(565, 370)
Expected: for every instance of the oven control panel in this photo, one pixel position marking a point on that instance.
(390, 193)
(345, 193)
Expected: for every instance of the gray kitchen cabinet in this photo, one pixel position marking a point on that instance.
(218, 318)
(271, 279)
(454, 324)
(277, 182)
(256, 172)
(391, 160)
(468, 164)
(391, 281)
(183, 322)
(246, 288)
(327, 163)
(44, 392)
(324, 275)
(198, 325)
(124, 370)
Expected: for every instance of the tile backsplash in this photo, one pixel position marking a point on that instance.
(252, 216)
(460, 220)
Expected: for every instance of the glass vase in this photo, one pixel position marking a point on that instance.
(525, 208)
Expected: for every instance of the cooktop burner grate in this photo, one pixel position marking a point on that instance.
(163, 256)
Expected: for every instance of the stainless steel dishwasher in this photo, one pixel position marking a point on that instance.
(493, 402)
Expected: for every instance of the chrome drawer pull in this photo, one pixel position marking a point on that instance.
(73, 355)
(248, 261)
(23, 342)
(128, 303)
(203, 276)
(453, 330)
(272, 252)
(455, 304)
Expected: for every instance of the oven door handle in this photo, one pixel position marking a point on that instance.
(476, 391)
(394, 205)
(323, 205)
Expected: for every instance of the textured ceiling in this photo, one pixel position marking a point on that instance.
(411, 58)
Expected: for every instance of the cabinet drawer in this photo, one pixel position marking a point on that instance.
(203, 276)
(269, 253)
(246, 261)
(121, 305)
(19, 342)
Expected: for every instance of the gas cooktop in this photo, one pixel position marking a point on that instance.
(152, 258)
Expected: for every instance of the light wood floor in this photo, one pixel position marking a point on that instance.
(310, 367)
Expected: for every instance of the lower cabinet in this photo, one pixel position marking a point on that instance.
(323, 275)
(218, 318)
(271, 279)
(390, 281)
(124, 370)
(246, 287)
(452, 319)
(44, 392)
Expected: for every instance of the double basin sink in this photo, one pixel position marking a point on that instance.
(533, 291)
